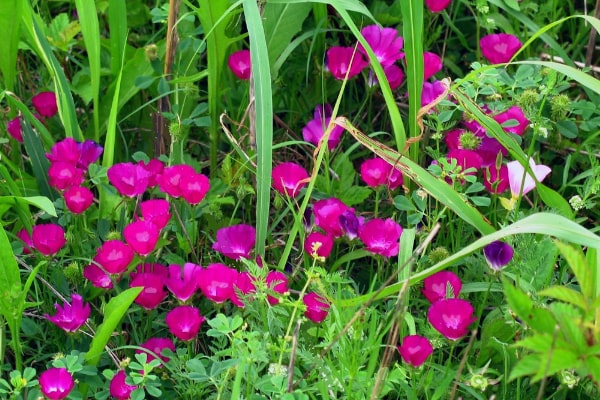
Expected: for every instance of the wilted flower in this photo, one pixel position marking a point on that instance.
(216, 282)
(89, 152)
(194, 187)
(317, 307)
(278, 282)
(499, 47)
(48, 239)
(384, 42)
(451, 317)
(381, 236)
(78, 199)
(142, 236)
(235, 241)
(182, 281)
(441, 285)
(327, 215)
(314, 130)
(118, 388)
(350, 223)
(498, 254)
(157, 345)
(13, 127)
(514, 113)
(153, 292)
(114, 256)
(289, 178)
(345, 60)
(70, 317)
(129, 179)
(518, 179)
(415, 349)
(376, 172)
(156, 211)
(318, 245)
(240, 64)
(170, 179)
(45, 104)
(184, 322)
(437, 5)
(56, 383)
(63, 175)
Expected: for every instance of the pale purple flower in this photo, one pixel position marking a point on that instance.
(517, 177)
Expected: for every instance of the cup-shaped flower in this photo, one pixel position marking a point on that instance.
(522, 183)
(385, 43)
(78, 199)
(182, 281)
(89, 152)
(45, 104)
(118, 388)
(277, 282)
(184, 322)
(327, 215)
(235, 241)
(56, 383)
(70, 317)
(244, 285)
(142, 236)
(381, 236)
(496, 180)
(432, 64)
(170, 179)
(441, 285)
(437, 5)
(194, 187)
(216, 282)
(289, 178)
(415, 349)
(114, 256)
(394, 75)
(66, 150)
(514, 118)
(26, 239)
(156, 211)
(314, 130)
(451, 317)
(499, 48)
(240, 64)
(317, 307)
(345, 62)
(431, 91)
(498, 254)
(376, 172)
(97, 277)
(153, 292)
(154, 168)
(156, 345)
(63, 175)
(318, 245)
(13, 127)
(48, 239)
(129, 179)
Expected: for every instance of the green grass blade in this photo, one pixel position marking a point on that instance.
(88, 18)
(117, 25)
(263, 96)
(10, 20)
(39, 162)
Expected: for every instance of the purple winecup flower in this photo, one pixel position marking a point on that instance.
(240, 64)
(435, 287)
(289, 178)
(499, 48)
(70, 317)
(415, 349)
(498, 254)
(184, 322)
(381, 236)
(451, 317)
(342, 61)
(317, 307)
(384, 42)
(56, 383)
(236, 241)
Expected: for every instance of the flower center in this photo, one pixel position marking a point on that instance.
(469, 141)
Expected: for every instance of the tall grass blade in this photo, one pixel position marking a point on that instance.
(39, 162)
(10, 20)
(117, 25)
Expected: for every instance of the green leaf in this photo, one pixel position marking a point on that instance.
(528, 365)
(402, 203)
(578, 264)
(37, 156)
(113, 313)
(41, 202)
(565, 294)
(10, 20)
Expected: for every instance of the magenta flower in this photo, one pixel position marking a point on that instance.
(70, 317)
(184, 322)
(26, 239)
(476, 140)
(499, 48)
(518, 179)
(376, 172)
(156, 211)
(45, 104)
(153, 292)
(48, 239)
(216, 281)
(194, 187)
(384, 42)
(381, 236)
(318, 245)
(13, 127)
(394, 75)
(516, 114)
(129, 179)
(435, 287)
(64, 175)
(182, 281)
(278, 283)
(66, 150)
(314, 130)
(235, 241)
(89, 152)
(451, 317)
(244, 285)
(431, 91)
(156, 346)
(466, 159)
(142, 236)
(118, 388)
(432, 64)
(415, 349)
(56, 383)
(154, 168)
(240, 64)
(170, 179)
(97, 277)
(78, 199)
(327, 215)
(289, 178)
(317, 307)
(114, 256)
(494, 180)
(498, 254)
(160, 270)
(437, 5)
(342, 61)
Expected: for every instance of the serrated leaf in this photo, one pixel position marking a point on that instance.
(355, 195)
(554, 361)
(402, 203)
(528, 365)
(578, 264)
(565, 294)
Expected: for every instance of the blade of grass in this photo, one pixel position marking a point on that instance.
(10, 20)
(39, 162)
(117, 25)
